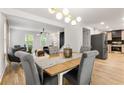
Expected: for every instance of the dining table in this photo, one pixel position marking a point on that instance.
(57, 64)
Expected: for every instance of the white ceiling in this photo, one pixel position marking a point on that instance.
(90, 16)
(18, 23)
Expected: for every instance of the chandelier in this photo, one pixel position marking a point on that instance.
(65, 14)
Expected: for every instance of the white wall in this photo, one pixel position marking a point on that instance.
(2, 55)
(73, 37)
(17, 37)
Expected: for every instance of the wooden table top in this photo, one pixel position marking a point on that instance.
(54, 70)
(63, 64)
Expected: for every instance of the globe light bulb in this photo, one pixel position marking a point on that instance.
(67, 19)
(65, 11)
(51, 10)
(102, 23)
(107, 27)
(78, 19)
(59, 16)
(73, 22)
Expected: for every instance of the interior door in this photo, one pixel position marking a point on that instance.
(61, 40)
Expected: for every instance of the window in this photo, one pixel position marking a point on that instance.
(29, 39)
(29, 42)
(43, 39)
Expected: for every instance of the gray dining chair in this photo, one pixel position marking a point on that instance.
(33, 75)
(82, 74)
(84, 48)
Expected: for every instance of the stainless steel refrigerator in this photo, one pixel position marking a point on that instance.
(99, 42)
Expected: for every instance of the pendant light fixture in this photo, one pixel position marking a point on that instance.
(68, 18)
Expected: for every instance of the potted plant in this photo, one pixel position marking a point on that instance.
(29, 48)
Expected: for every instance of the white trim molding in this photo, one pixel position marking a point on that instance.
(19, 13)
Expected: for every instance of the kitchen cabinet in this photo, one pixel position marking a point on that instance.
(122, 48)
(122, 35)
(109, 48)
(109, 36)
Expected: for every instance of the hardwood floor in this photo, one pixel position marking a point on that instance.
(13, 76)
(106, 72)
(110, 71)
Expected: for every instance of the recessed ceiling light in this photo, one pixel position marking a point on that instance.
(102, 23)
(107, 27)
(110, 29)
(123, 18)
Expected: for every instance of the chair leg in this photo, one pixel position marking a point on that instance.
(89, 83)
(63, 81)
